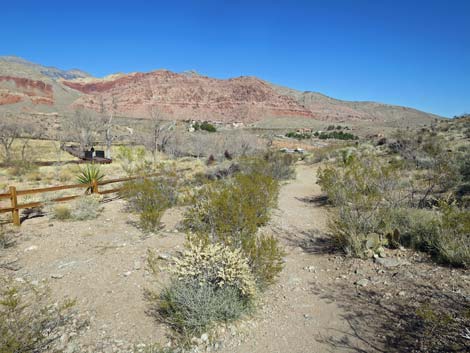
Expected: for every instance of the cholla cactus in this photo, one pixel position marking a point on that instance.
(216, 264)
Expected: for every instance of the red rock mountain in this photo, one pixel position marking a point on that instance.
(30, 87)
(182, 96)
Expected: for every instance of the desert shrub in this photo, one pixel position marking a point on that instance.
(339, 135)
(133, 160)
(209, 284)
(61, 212)
(277, 165)
(34, 176)
(150, 198)
(452, 242)
(205, 126)
(191, 307)
(86, 207)
(66, 175)
(215, 264)
(322, 154)
(299, 135)
(230, 211)
(436, 167)
(28, 321)
(265, 258)
(418, 227)
(22, 167)
(364, 190)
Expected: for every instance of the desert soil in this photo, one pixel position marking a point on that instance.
(323, 301)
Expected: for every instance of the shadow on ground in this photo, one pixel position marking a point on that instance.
(429, 320)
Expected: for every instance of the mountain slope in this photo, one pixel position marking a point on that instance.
(335, 110)
(25, 86)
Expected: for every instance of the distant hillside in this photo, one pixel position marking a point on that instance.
(335, 110)
(29, 87)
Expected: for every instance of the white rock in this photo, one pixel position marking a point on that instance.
(31, 248)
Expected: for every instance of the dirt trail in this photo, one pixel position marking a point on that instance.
(294, 319)
(102, 264)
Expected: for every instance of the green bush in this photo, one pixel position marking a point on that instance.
(150, 197)
(418, 227)
(277, 165)
(29, 322)
(339, 135)
(230, 211)
(265, 258)
(133, 160)
(453, 239)
(299, 135)
(206, 126)
(365, 190)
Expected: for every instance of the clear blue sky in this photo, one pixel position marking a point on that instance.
(412, 53)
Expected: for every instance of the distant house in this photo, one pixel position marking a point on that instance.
(304, 130)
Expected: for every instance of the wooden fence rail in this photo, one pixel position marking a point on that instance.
(15, 207)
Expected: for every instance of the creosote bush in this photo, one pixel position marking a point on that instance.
(452, 243)
(230, 212)
(28, 321)
(277, 165)
(150, 198)
(376, 205)
(365, 192)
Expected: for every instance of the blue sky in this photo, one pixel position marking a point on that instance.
(412, 53)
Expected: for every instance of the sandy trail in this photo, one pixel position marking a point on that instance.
(294, 319)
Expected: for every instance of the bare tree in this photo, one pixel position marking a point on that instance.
(107, 124)
(82, 127)
(161, 132)
(9, 132)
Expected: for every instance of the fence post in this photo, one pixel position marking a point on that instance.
(94, 187)
(14, 204)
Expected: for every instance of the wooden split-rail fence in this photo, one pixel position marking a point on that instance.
(94, 187)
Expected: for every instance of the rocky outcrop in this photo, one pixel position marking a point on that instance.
(17, 89)
(184, 96)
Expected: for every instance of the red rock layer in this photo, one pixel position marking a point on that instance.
(183, 96)
(16, 89)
